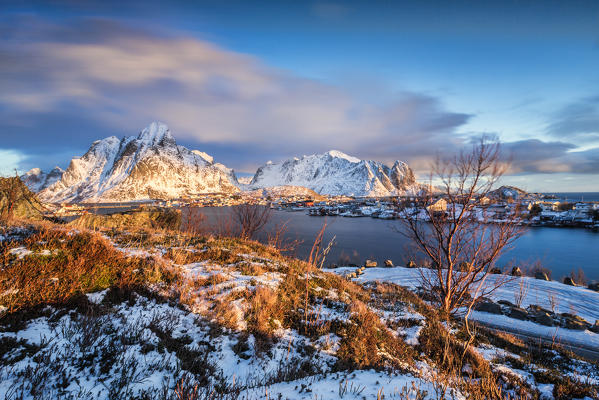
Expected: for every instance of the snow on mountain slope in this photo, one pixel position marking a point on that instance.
(336, 173)
(37, 180)
(148, 166)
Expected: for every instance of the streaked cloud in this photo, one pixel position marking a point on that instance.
(536, 156)
(65, 85)
(577, 121)
(100, 75)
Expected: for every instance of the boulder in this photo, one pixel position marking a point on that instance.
(595, 328)
(516, 271)
(370, 264)
(543, 319)
(594, 286)
(388, 263)
(488, 307)
(506, 303)
(533, 308)
(411, 264)
(569, 281)
(576, 325)
(541, 276)
(495, 271)
(576, 322)
(518, 313)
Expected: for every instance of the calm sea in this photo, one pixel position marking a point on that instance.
(357, 239)
(576, 196)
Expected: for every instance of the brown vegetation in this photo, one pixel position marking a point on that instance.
(64, 264)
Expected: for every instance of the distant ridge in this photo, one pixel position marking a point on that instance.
(336, 173)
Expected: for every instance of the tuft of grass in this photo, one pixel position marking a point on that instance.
(367, 343)
(73, 263)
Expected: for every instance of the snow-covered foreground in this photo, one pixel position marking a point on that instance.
(135, 348)
(575, 300)
(222, 318)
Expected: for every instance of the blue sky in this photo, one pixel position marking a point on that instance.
(254, 81)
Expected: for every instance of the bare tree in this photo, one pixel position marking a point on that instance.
(251, 218)
(453, 230)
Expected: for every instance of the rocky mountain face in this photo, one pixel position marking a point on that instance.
(37, 180)
(147, 166)
(336, 173)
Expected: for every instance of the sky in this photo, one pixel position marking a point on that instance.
(249, 82)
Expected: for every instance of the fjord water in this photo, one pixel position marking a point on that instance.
(356, 239)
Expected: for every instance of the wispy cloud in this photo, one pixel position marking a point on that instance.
(64, 86)
(101, 75)
(536, 156)
(577, 121)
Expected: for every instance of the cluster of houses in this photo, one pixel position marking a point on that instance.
(555, 213)
(530, 211)
(537, 211)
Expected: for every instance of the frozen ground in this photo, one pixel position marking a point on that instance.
(57, 355)
(203, 335)
(576, 300)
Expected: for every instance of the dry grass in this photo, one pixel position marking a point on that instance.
(64, 264)
(81, 262)
(367, 343)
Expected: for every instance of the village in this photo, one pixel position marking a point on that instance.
(531, 210)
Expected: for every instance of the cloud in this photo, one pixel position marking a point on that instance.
(64, 86)
(9, 161)
(67, 85)
(577, 121)
(536, 156)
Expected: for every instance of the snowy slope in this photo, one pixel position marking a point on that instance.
(150, 165)
(336, 173)
(37, 180)
(575, 300)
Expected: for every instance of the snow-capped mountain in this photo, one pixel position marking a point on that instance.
(147, 166)
(336, 173)
(37, 180)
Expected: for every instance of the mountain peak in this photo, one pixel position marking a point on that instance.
(336, 173)
(33, 171)
(340, 154)
(149, 165)
(155, 133)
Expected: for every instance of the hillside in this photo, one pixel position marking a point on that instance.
(17, 201)
(153, 314)
(147, 166)
(507, 192)
(336, 173)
